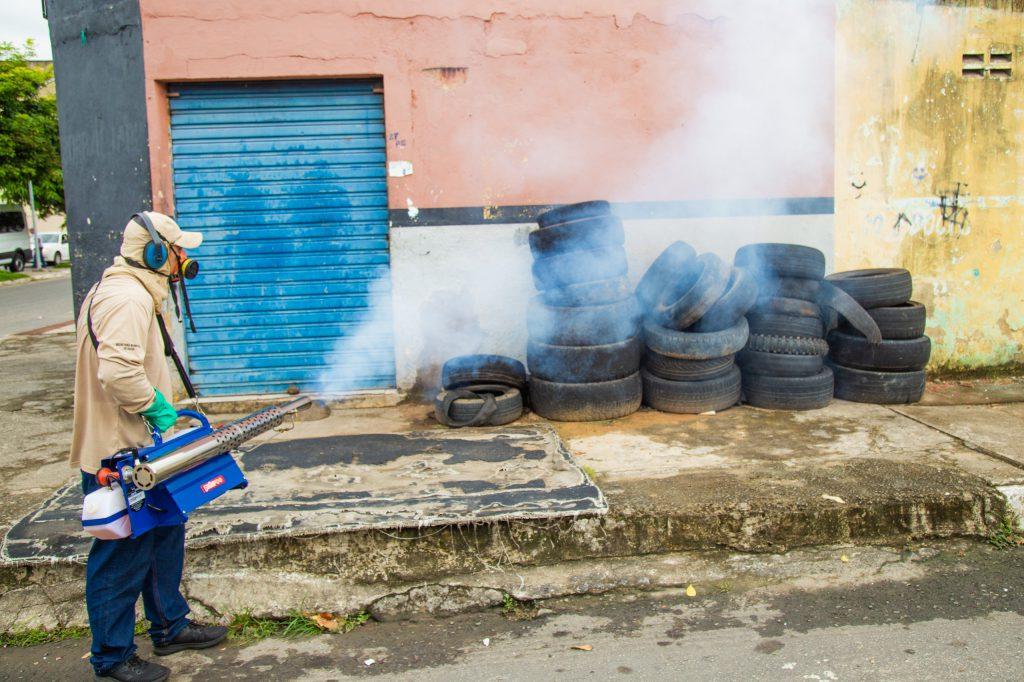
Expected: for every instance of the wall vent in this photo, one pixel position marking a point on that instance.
(996, 63)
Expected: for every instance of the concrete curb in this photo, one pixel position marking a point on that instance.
(347, 572)
(40, 277)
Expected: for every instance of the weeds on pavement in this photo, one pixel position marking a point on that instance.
(1007, 535)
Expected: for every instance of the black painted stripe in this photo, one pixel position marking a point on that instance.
(704, 208)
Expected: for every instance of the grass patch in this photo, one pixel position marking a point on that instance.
(589, 471)
(517, 609)
(8, 276)
(63, 265)
(36, 636)
(245, 627)
(1007, 535)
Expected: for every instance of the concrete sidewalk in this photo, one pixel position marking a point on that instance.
(746, 480)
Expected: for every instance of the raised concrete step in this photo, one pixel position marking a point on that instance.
(746, 479)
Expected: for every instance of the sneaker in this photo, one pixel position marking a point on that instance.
(194, 636)
(136, 669)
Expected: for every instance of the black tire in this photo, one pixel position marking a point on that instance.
(829, 318)
(791, 287)
(686, 300)
(892, 355)
(675, 369)
(779, 364)
(740, 295)
(788, 393)
(563, 214)
(875, 287)
(466, 370)
(790, 345)
(575, 267)
(17, 262)
(881, 388)
(600, 292)
(692, 397)
(586, 402)
(905, 321)
(472, 406)
(843, 304)
(665, 271)
(696, 345)
(773, 324)
(787, 260)
(594, 325)
(584, 364)
(57, 258)
(586, 233)
(794, 307)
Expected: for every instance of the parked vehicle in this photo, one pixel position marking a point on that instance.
(15, 246)
(56, 249)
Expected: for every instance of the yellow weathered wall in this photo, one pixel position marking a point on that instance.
(910, 131)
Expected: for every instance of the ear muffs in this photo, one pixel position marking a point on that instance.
(154, 254)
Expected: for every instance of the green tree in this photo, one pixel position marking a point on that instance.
(29, 141)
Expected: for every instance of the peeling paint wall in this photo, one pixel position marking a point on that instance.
(930, 164)
(525, 102)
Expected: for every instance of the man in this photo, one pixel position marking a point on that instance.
(122, 387)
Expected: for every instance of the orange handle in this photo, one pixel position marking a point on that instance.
(105, 476)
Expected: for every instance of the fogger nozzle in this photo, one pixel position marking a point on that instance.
(147, 475)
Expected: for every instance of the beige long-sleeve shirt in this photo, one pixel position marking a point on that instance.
(115, 381)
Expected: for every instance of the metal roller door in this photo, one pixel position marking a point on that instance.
(288, 183)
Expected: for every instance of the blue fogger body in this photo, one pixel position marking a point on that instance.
(162, 483)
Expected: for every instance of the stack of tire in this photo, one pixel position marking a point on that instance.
(892, 370)
(584, 342)
(480, 390)
(783, 362)
(694, 325)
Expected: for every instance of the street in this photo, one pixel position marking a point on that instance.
(954, 612)
(34, 305)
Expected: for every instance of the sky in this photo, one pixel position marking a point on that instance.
(21, 19)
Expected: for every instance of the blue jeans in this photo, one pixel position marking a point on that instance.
(116, 573)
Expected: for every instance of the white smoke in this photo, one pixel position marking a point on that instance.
(743, 116)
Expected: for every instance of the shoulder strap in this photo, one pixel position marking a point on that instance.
(88, 317)
(170, 352)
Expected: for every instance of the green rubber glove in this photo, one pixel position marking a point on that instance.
(160, 415)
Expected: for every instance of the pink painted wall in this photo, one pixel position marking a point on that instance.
(630, 101)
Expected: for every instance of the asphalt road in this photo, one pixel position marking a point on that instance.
(24, 307)
(957, 615)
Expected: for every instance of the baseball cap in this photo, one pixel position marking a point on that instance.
(169, 229)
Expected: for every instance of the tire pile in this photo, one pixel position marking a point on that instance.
(480, 390)
(892, 370)
(694, 325)
(584, 342)
(783, 361)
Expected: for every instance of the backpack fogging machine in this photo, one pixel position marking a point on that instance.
(160, 484)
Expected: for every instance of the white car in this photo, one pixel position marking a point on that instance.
(56, 249)
(15, 249)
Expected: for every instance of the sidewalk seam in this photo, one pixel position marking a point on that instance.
(980, 449)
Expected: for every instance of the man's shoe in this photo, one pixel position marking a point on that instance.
(194, 636)
(137, 670)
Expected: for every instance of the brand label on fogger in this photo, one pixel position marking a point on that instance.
(214, 482)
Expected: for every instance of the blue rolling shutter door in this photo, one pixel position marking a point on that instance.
(287, 181)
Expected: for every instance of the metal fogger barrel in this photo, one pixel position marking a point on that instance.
(148, 475)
